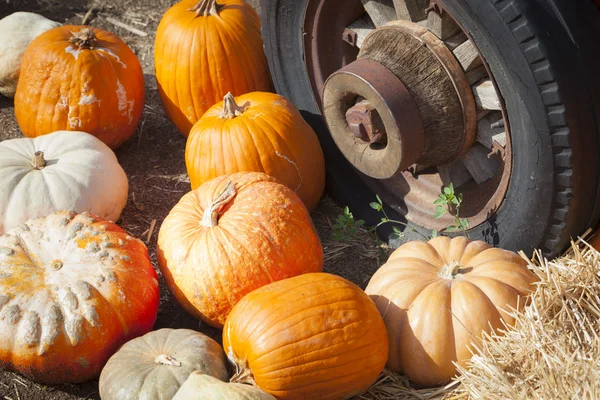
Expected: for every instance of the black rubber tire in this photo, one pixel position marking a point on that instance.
(545, 58)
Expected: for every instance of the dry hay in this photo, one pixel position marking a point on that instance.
(552, 352)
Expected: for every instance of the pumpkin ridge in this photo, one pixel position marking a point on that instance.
(297, 341)
(231, 27)
(326, 349)
(288, 305)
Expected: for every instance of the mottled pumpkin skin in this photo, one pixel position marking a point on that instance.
(154, 366)
(264, 234)
(199, 59)
(206, 387)
(98, 90)
(270, 136)
(313, 336)
(73, 288)
(432, 318)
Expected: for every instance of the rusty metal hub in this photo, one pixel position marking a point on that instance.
(373, 119)
(382, 125)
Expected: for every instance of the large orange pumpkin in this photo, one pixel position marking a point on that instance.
(204, 49)
(260, 132)
(73, 288)
(232, 235)
(313, 336)
(437, 297)
(80, 79)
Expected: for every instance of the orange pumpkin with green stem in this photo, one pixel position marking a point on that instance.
(80, 79)
(261, 132)
(204, 49)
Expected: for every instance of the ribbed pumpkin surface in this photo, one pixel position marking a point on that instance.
(437, 297)
(269, 136)
(314, 336)
(261, 233)
(199, 59)
(95, 87)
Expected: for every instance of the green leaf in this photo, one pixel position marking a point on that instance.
(384, 219)
(439, 211)
(375, 206)
(451, 187)
(360, 222)
(441, 200)
(455, 201)
(379, 199)
(447, 191)
(453, 228)
(397, 230)
(434, 233)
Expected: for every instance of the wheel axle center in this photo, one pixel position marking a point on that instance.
(365, 123)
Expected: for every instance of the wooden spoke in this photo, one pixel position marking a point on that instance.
(411, 10)
(489, 130)
(454, 172)
(456, 40)
(467, 56)
(443, 26)
(475, 75)
(362, 28)
(380, 11)
(478, 164)
(485, 95)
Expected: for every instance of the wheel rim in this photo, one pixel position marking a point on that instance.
(479, 167)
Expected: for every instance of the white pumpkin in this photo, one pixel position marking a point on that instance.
(18, 30)
(205, 387)
(64, 170)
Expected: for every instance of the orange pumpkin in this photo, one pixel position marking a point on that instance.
(438, 296)
(313, 336)
(265, 134)
(204, 49)
(73, 288)
(80, 79)
(232, 235)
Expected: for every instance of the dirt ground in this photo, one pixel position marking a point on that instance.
(154, 162)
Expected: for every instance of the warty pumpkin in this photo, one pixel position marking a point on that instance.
(437, 298)
(73, 288)
(260, 132)
(203, 50)
(64, 170)
(154, 366)
(18, 30)
(78, 78)
(205, 387)
(313, 336)
(232, 235)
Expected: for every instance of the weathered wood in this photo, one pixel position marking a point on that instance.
(454, 172)
(380, 11)
(476, 74)
(443, 26)
(456, 40)
(478, 164)
(362, 28)
(486, 135)
(432, 86)
(411, 10)
(485, 95)
(467, 56)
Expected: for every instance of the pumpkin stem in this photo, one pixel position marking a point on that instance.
(84, 39)
(38, 161)
(164, 359)
(211, 213)
(243, 373)
(206, 8)
(449, 271)
(231, 109)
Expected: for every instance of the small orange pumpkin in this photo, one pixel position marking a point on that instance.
(313, 336)
(437, 297)
(232, 235)
(77, 78)
(265, 134)
(204, 49)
